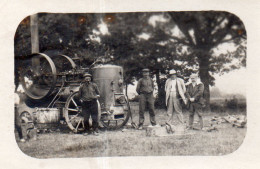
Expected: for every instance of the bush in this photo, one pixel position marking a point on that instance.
(217, 107)
(231, 105)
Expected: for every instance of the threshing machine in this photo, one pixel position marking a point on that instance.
(51, 84)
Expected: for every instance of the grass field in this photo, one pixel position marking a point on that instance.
(135, 143)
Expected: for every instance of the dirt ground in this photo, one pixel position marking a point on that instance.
(131, 142)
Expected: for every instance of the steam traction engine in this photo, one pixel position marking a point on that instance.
(51, 84)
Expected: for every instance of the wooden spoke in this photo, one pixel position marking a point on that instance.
(74, 117)
(72, 109)
(83, 126)
(74, 102)
(78, 124)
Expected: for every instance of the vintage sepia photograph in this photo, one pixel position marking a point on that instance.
(130, 84)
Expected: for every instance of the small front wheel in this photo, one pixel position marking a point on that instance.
(116, 119)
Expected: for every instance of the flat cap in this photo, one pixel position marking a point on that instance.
(145, 70)
(87, 75)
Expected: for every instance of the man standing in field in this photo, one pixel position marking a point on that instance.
(175, 91)
(145, 88)
(88, 93)
(195, 96)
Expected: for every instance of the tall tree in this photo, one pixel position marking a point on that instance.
(202, 33)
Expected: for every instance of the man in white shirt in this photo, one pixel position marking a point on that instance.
(175, 91)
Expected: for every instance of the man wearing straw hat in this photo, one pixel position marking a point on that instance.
(89, 93)
(175, 92)
(196, 101)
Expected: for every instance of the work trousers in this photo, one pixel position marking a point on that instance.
(195, 108)
(174, 104)
(90, 108)
(146, 99)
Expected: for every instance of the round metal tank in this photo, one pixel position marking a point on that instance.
(109, 79)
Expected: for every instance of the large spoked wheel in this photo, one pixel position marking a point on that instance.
(73, 113)
(39, 76)
(118, 121)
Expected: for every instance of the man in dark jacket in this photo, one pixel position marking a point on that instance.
(145, 88)
(194, 93)
(88, 93)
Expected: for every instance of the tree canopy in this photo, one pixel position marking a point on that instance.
(204, 32)
(205, 42)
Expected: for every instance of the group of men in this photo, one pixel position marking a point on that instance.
(176, 93)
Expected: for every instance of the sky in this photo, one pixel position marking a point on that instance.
(232, 82)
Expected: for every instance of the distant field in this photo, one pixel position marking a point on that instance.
(135, 143)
